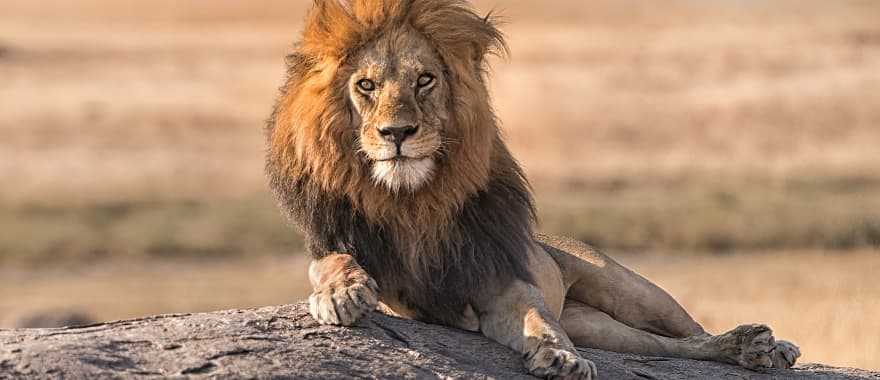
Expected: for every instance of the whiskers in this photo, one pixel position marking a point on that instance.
(446, 144)
(358, 146)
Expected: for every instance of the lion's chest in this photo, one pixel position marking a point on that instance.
(439, 296)
(390, 305)
(439, 276)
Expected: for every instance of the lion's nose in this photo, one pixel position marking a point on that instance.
(398, 134)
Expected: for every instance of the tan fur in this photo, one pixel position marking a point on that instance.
(610, 307)
(328, 128)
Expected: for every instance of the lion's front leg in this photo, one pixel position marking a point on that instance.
(343, 291)
(519, 320)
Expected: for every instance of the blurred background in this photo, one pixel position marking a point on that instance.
(729, 150)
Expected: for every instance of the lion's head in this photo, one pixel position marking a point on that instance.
(388, 96)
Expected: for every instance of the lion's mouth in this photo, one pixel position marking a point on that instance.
(402, 158)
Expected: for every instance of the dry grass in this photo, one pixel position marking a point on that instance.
(822, 302)
(169, 98)
(702, 214)
(131, 288)
(39, 233)
(708, 126)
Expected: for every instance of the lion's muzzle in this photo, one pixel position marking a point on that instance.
(397, 134)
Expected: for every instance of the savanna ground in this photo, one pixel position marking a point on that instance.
(728, 150)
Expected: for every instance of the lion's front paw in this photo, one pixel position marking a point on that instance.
(344, 304)
(556, 363)
(748, 345)
(784, 354)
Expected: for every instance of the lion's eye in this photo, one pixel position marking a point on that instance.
(366, 85)
(425, 80)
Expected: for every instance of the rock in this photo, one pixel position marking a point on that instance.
(285, 341)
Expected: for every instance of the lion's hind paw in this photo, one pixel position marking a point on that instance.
(748, 345)
(784, 354)
(556, 363)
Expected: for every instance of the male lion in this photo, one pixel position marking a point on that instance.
(385, 151)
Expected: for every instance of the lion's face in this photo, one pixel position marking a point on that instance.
(398, 94)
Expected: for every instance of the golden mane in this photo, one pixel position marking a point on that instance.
(312, 125)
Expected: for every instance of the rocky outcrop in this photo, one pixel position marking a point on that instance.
(285, 341)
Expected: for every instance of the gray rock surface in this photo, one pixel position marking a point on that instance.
(285, 342)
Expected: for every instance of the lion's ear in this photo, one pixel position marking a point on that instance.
(459, 33)
(330, 28)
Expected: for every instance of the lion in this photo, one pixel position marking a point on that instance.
(384, 149)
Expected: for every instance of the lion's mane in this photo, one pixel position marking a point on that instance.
(462, 236)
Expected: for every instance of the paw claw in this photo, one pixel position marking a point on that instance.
(784, 354)
(556, 363)
(754, 347)
(748, 345)
(341, 304)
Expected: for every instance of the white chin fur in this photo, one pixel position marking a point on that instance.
(407, 174)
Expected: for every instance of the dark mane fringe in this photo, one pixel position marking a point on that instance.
(464, 236)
